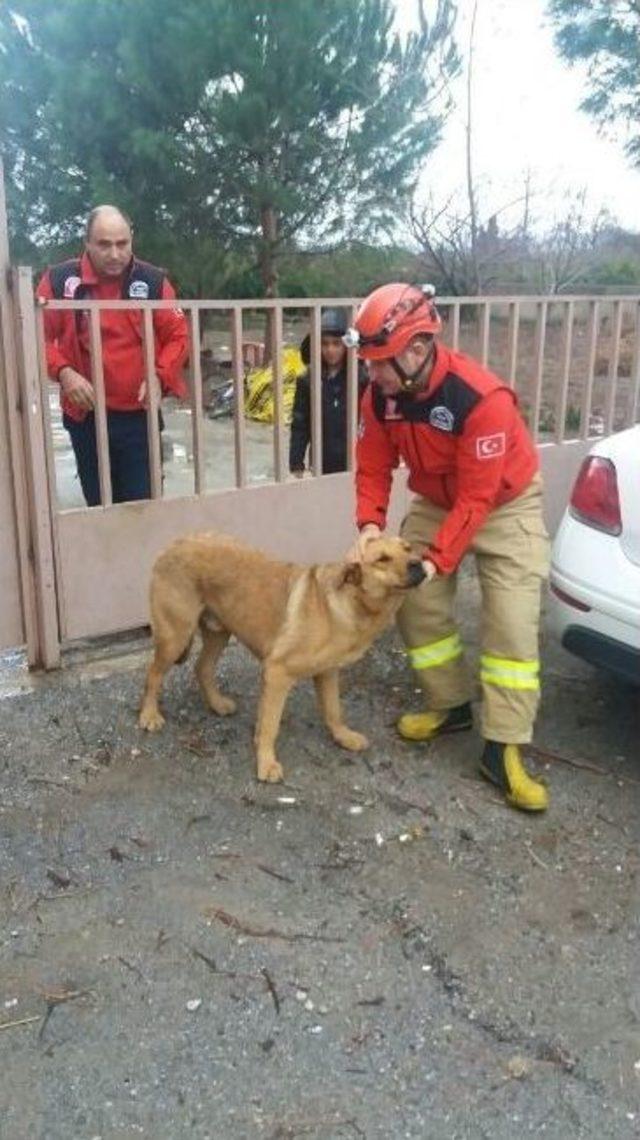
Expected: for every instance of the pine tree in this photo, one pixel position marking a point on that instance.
(221, 128)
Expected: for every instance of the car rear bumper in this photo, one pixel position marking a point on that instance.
(603, 651)
(590, 626)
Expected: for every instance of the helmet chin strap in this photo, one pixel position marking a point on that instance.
(411, 381)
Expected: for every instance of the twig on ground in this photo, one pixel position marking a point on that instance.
(131, 966)
(68, 786)
(196, 819)
(207, 961)
(53, 1000)
(271, 988)
(20, 1021)
(536, 858)
(339, 865)
(67, 896)
(274, 874)
(247, 859)
(304, 1127)
(542, 754)
(58, 879)
(240, 927)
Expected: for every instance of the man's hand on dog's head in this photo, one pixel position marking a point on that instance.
(356, 553)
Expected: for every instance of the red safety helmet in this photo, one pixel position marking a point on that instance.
(390, 317)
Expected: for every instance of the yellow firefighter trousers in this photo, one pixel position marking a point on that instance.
(512, 558)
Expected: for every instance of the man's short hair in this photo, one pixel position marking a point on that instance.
(95, 213)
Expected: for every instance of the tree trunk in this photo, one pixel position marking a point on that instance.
(471, 191)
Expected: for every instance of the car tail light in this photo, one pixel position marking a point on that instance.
(594, 499)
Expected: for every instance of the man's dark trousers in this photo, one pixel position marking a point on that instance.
(128, 456)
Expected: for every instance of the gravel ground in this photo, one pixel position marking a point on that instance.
(379, 948)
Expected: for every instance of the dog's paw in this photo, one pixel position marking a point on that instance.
(270, 772)
(151, 720)
(223, 706)
(352, 741)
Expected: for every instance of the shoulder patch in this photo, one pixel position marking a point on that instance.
(70, 286)
(139, 290)
(442, 418)
(491, 446)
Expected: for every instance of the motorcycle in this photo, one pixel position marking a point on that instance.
(221, 400)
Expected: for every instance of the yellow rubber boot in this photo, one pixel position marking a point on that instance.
(426, 725)
(502, 765)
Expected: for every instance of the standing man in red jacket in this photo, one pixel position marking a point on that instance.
(108, 270)
(474, 470)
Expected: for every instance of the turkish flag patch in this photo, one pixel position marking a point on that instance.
(491, 446)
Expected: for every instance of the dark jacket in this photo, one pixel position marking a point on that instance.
(334, 421)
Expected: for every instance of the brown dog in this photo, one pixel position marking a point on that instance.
(299, 621)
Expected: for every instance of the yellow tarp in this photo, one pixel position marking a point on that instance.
(258, 403)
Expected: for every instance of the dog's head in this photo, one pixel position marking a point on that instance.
(389, 567)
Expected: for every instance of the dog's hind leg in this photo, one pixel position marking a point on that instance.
(172, 639)
(328, 694)
(276, 683)
(213, 643)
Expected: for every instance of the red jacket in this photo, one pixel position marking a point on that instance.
(67, 337)
(465, 444)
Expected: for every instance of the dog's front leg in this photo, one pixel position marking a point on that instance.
(276, 683)
(328, 694)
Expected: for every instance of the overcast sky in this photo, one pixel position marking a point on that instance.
(526, 115)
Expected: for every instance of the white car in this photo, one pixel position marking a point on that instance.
(595, 561)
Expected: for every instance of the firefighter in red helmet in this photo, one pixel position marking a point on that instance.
(474, 471)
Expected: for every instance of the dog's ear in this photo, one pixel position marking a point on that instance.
(352, 574)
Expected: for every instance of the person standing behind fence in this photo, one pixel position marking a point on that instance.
(333, 352)
(108, 270)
